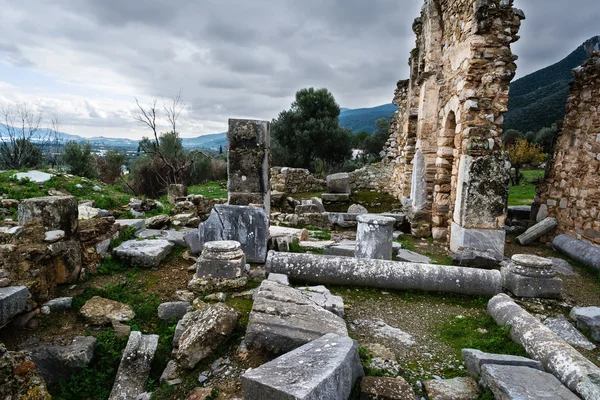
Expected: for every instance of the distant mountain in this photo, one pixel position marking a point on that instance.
(539, 99)
(363, 119)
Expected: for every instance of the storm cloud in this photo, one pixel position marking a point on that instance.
(85, 60)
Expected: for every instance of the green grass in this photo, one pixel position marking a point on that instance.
(110, 197)
(211, 190)
(463, 333)
(524, 193)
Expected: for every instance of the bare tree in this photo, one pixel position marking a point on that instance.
(21, 136)
(56, 139)
(176, 164)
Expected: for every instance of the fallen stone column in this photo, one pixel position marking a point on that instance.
(537, 231)
(557, 356)
(579, 250)
(385, 274)
(134, 369)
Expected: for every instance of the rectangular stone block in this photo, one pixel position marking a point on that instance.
(490, 240)
(335, 197)
(518, 383)
(53, 212)
(248, 162)
(245, 224)
(476, 359)
(13, 300)
(325, 368)
(527, 286)
(338, 183)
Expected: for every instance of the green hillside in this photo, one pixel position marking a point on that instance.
(363, 119)
(538, 100)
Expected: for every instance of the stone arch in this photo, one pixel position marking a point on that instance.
(445, 177)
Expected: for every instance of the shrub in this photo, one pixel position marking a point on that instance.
(80, 159)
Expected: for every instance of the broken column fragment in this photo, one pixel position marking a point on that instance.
(134, 369)
(332, 270)
(374, 236)
(221, 259)
(531, 276)
(245, 224)
(579, 250)
(325, 368)
(284, 318)
(538, 230)
(575, 371)
(248, 163)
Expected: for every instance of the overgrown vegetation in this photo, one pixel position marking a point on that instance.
(479, 332)
(524, 193)
(211, 190)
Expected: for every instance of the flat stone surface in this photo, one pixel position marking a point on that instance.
(563, 328)
(133, 372)
(338, 183)
(158, 221)
(381, 388)
(54, 236)
(171, 235)
(475, 359)
(284, 318)
(315, 245)
(376, 219)
(587, 318)
(279, 278)
(13, 301)
(488, 240)
(325, 368)
(531, 260)
(378, 328)
(144, 253)
(532, 287)
(34, 176)
(323, 297)
(411, 256)
(205, 330)
(101, 311)
(245, 224)
(281, 231)
(222, 246)
(173, 310)
(523, 383)
(452, 389)
(53, 212)
(56, 363)
(134, 223)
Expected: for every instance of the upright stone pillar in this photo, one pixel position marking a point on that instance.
(248, 163)
(480, 207)
(374, 236)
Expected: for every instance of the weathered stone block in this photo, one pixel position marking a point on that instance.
(133, 372)
(244, 224)
(476, 359)
(138, 224)
(101, 311)
(173, 310)
(177, 191)
(13, 301)
(489, 240)
(538, 230)
(173, 236)
(563, 328)
(338, 183)
(335, 197)
(325, 368)
(52, 212)
(517, 383)
(374, 236)
(587, 318)
(221, 259)
(284, 318)
(144, 253)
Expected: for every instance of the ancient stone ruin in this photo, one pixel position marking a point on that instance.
(571, 191)
(449, 167)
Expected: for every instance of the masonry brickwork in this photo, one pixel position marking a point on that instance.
(571, 191)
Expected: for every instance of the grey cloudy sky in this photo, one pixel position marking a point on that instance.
(85, 60)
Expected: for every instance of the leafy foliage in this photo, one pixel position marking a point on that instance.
(21, 153)
(125, 235)
(80, 159)
(522, 153)
(110, 166)
(309, 132)
(374, 143)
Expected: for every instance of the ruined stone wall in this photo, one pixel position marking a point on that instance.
(295, 180)
(571, 192)
(449, 135)
(372, 177)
